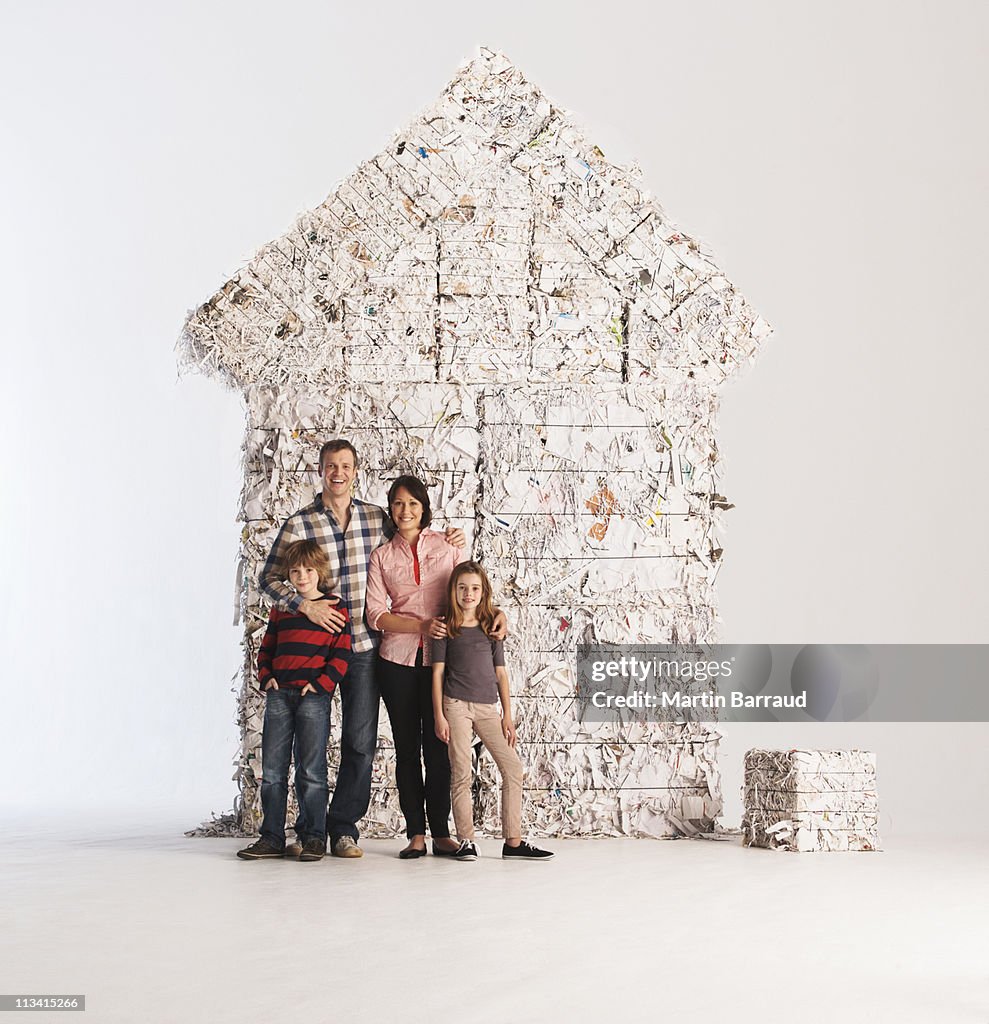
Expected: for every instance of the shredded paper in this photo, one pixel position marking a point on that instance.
(491, 305)
(807, 800)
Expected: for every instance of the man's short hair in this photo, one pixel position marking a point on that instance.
(338, 445)
(417, 489)
(309, 555)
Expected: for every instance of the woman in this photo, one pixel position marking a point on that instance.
(406, 595)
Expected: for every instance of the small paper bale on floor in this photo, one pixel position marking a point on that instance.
(809, 800)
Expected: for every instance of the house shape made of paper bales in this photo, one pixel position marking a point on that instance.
(491, 305)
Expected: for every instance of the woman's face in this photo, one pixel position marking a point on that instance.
(406, 511)
(469, 591)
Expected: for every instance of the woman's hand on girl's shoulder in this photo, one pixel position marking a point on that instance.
(499, 628)
(455, 537)
(434, 629)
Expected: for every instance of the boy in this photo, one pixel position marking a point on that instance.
(299, 664)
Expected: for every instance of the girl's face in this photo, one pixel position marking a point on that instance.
(469, 591)
(406, 511)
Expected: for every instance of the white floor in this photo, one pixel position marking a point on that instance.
(163, 928)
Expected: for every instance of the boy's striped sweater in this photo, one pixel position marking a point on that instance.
(296, 651)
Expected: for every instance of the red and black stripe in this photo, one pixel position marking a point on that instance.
(296, 651)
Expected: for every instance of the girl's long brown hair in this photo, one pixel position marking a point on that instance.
(485, 609)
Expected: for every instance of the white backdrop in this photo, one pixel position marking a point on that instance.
(832, 157)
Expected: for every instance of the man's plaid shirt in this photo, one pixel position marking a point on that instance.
(349, 554)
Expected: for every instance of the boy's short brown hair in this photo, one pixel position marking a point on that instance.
(310, 555)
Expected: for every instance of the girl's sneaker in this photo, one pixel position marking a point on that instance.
(524, 852)
(465, 851)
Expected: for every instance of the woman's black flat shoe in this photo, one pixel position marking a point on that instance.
(411, 854)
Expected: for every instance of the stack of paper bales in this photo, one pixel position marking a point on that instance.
(807, 800)
(491, 304)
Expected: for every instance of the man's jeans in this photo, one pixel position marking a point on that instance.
(288, 717)
(359, 696)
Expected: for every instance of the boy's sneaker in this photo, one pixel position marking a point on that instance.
(465, 851)
(261, 850)
(524, 852)
(313, 849)
(346, 846)
(293, 850)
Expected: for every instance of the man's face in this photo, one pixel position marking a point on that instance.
(338, 471)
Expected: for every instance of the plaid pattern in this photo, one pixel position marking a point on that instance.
(349, 554)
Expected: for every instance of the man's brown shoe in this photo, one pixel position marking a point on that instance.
(346, 846)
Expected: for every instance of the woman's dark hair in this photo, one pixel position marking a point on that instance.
(417, 489)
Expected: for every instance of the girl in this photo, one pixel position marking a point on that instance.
(469, 678)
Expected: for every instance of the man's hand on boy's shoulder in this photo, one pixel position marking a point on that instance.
(325, 613)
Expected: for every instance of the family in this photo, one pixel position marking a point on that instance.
(378, 603)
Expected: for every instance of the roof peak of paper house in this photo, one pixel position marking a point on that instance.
(488, 241)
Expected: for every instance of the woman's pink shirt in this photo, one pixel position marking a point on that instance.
(391, 587)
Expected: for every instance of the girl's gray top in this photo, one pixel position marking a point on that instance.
(470, 660)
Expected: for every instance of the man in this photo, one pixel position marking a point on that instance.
(348, 530)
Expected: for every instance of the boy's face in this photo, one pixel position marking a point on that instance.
(338, 472)
(304, 579)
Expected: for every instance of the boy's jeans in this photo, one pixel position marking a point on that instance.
(288, 717)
